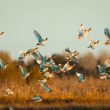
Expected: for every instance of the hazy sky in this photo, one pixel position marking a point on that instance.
(59, 20)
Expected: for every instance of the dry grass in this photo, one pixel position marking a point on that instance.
(66, 92)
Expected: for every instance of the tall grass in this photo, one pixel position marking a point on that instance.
(65, 90)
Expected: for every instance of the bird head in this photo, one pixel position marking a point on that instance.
(46, 39)
(89, 29)
(21, 52)
(98, 41)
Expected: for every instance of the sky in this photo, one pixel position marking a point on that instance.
(59, 20)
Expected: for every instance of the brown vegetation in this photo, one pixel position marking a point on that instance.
(66, 90)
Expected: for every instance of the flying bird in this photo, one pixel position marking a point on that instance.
(87, 31)
(103, 73)
(41, 41)
(107, 36)
(24, 72)
(54, 68)
(83, 32)
(51, 65)
(43, 83)
(22, 55)
(71, 55)
(67, 67)
(93, 44)
(50, 62)
(81, 77)
(40, 59)
(2, 65)
(37, 99)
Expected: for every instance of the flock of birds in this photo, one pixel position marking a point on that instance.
(48, 66)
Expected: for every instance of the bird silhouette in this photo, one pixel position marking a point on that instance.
(41, 41)
(107, 36)
(24, 72)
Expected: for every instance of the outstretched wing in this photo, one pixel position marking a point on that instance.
(31, 50)
(81, 77)
(101, 69)
(2, 63)
(37, 98)
(23, 70)
(106, 32)
(38, 36)
(46, 88)
(81, 27)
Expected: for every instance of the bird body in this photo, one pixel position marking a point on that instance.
(43, 83)
(83, 32)
(54, 68)
(81, 77)
(38, 57)
(93, 44)
(67, 67)
(37, 99)
(103, 73)
(41, 41)
(101, 70)
(107, 35)
(72, 56)
(2, 65)
(23, 55)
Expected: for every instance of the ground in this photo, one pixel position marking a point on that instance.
(67, 93)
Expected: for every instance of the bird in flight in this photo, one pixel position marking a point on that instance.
(3, 65)
(93, 43)
(67, 67)
(81, 77)
(107, 36)
(37, 99)
(24, 72)
(41, 41)
(103, 72)
(43, 83)
(83, 32)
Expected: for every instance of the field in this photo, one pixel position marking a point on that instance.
(67, 93)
